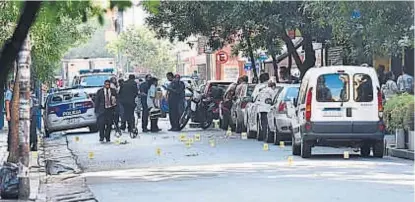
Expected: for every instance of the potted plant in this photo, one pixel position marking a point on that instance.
(409, 124)
(394, 113)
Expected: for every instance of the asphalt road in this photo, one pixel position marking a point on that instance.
(232, 170)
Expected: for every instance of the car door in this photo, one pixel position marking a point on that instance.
(272, 113)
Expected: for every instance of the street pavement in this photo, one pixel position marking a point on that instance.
(232, 170)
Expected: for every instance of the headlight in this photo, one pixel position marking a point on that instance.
(268, 101)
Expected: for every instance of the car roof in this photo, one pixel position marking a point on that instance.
(220, 81)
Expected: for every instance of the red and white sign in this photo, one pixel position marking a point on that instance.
(222, 57)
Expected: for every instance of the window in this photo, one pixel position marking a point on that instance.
(291, 93)
(250, 90)
(278, 90)
(332, 88)
(94, 80)
(67, 97)
(363, 88)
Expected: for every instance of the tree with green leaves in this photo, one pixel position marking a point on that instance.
(142, 49)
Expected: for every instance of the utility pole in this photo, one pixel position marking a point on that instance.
(23, 63)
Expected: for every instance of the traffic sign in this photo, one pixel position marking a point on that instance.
(222, 57)
(263, 57)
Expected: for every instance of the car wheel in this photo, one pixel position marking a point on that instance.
(305, 149)
(93, 128)
(378, 148)
(365, 150)
(296, 149)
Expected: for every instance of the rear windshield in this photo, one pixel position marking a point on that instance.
(292, 92)
(363, 89)
(332, 88)
(67, 97)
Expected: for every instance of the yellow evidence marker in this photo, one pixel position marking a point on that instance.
(197, 137)
(290, 160)
(158, 151)
(117, 141)
(216, 123)
(229, 132)
(265, 147)
(346, 155)
(212, 143)
(190, 140)
(182, 137)
(282, 144)
(34, 154)
(188, 144)
(244, 136)
(91, 155)
(76, 139)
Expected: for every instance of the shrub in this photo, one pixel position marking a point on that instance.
(409, 116)
(396, 109)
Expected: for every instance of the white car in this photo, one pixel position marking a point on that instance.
(239, 107)
(279, 123)
(69, 109)
(257, 110)
(340, 106)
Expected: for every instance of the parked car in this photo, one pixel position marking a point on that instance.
(69, 109)
(340, 106)
(239, 106)
(279, 123)
(261, 103)
(215, 90)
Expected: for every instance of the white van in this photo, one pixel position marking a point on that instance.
(339, 106)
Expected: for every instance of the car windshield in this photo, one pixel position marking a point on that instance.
(67, 97)
(94, 80)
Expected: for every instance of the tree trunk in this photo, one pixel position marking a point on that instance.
(12, 46)
(251, 55)
(24, 119)
(310, 54)
(275, 65)
(14, 122)
(291, 49)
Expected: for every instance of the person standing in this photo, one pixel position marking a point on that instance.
(176, 101)
(405, 82)
(144, 86)
(152, 105)
(389, 89)
(128, 93)
(119, 110)
(170, 78)
(8, 106)
(105, 103)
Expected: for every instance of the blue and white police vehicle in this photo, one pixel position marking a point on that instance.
(66, 109)
(91, 80)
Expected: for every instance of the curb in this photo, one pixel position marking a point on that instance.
(401, 153)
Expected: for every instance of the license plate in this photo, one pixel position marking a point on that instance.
(73, 121)
(332, 113)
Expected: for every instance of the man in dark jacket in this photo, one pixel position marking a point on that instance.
(127, 94)
(105, 102)
(176, 95)
(143, 95)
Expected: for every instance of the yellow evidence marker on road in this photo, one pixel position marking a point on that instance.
(158, 151)
(212, 143)
(290, 160)
(34, 154)
(282, 144)
(182, 137)
(91, 155)
(216, 122)
(244, 136)
(76, 139)
(346, 155)
(197, 137)
(117, 141)
(229, 132)
(190, 140)
(265, 147)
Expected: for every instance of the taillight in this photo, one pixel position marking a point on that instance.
(380, 104)
(282, 107)
(308, 104)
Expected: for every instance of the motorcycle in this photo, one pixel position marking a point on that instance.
(200, 109)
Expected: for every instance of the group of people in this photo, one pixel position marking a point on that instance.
(404, 83)
(117, 100)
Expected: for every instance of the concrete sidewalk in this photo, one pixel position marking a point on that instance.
(35, 170)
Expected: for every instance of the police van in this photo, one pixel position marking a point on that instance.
(339, 106)
(67, 109)
(92, 80)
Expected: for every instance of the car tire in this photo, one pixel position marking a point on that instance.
(378, 148)
(93, 128)
(269, 136)
(296, 149)
(305, 149)
(365, 150)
